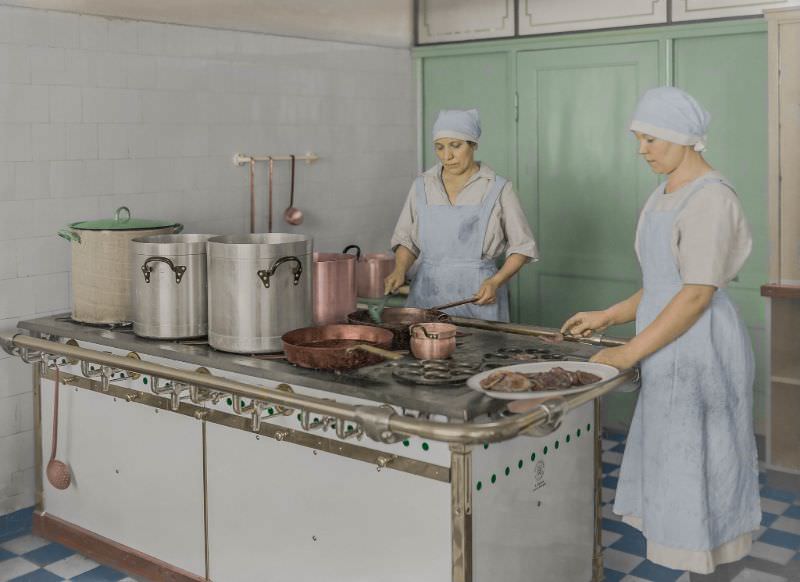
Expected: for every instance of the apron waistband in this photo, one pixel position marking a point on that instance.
(459, 262)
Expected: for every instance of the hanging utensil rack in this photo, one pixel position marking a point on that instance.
(250, 160)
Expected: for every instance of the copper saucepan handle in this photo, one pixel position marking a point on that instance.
(377, 351)
(453, 304)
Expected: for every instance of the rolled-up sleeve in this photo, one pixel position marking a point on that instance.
(405, 231)
(714, 239)
(519, 238)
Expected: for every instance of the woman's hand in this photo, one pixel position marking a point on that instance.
(585, 323)
(394, 281)
(620, 357)
(487, 294)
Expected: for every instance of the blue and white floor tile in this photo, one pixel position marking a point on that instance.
(25, 557)
(775, 556)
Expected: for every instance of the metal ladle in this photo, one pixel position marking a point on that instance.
(58, 472)
(292, 215)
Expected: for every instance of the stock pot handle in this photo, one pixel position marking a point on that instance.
(358, 250)
(179, 270)
(266, 274)
(69, 234)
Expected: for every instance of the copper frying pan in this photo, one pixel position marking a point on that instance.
(338, 346)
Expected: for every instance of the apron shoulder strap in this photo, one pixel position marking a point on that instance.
(422, 198)
(495, 189)
(699, 186)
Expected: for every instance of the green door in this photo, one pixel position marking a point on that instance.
(728, 75)
(581, 182)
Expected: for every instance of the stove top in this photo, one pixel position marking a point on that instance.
(431, 387)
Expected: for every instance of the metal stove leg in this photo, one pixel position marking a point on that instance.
(597, 556)
(37, 438)
(461, 511)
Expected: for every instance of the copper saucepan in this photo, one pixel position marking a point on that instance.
(338, 346)
(397, 320)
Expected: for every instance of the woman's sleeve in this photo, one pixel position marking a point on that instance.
(714, 238)
(515, 226)
(405, 231)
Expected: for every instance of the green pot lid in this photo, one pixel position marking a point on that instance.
(122, 221)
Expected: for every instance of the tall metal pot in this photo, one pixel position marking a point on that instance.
(170, 298)
(101, 276)
(259, 287)
(334, 287)
(371, 270)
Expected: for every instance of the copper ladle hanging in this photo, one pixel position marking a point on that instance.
(292, 215)
(58, 472)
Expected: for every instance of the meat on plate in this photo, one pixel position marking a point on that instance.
(554, 379)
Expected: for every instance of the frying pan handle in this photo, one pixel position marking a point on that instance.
(358, 250)
(266, 274)
(377, 351)
(179, 270)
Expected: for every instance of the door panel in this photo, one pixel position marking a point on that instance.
(580, 180)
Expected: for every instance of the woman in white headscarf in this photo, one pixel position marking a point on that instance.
(689, 475)
(459, 217)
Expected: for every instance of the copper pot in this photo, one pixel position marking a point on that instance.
(371, 270)
(433, 341)
(398, 320)
(334, 287)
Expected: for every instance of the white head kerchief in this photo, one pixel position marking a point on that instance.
(458, 124)
(673, 115)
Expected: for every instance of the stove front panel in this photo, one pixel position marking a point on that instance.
(533, 505)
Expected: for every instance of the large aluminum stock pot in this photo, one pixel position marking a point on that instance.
(170, 298)
(259, 287)
(101, 274)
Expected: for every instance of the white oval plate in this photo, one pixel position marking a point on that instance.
(603, 370)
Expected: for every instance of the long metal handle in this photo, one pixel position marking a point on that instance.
(377, 351)
(179, 270)
(464, 433)
(453, 304)
(266, 274)
(597, 339)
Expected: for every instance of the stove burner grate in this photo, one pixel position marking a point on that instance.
(435, 372)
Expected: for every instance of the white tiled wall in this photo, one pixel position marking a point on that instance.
(97, 113)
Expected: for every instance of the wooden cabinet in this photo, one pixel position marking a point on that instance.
(683, 10)
(783, 437)
(548, 16)
(441, 21)
(784, 146)
(453, 20)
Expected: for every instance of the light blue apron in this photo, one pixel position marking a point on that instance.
(451, 246)
(690, 468)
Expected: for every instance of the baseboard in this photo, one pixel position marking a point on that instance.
(108, 552)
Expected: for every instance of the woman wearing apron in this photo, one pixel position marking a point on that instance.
(689, 475)
(458, 218)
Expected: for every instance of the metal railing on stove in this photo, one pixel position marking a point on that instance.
(379, 422)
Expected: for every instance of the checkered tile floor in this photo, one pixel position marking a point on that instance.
(775, 556)
(27, 558)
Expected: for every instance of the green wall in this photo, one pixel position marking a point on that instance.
(575, 165)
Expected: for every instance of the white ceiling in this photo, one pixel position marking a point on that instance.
(380, 22)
